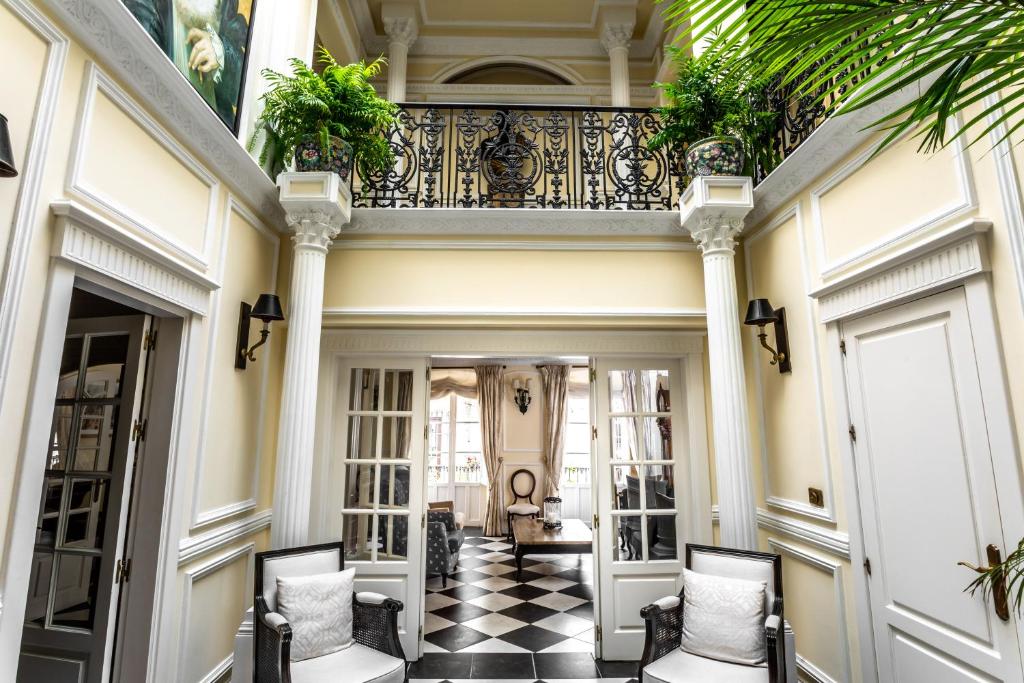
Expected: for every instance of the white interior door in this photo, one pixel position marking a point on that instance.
(928, 497)
(72, 599)
(641, 467)
(378, 479)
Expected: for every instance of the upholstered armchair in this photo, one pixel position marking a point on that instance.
(444, 541)
(664, 661)
(375, 653)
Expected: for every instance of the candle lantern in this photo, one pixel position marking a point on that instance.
(552, 512)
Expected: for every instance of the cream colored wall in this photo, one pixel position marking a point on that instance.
(135, 175)
(523, 446)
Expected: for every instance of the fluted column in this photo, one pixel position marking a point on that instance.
(402, 28)
(316, 206)
(615, 39)
(712, 212)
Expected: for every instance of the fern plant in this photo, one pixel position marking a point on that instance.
(340, 101)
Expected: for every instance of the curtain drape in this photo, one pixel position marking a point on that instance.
(490, 382)
(555, 381)
(404, 423)
(459, 382)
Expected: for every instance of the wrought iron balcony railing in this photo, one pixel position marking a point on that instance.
(511, 156)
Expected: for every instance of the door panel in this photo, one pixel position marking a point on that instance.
(928, 493)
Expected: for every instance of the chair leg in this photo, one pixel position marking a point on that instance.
(444, 580)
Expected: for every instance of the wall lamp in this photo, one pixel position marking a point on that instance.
(522, 396)
(761, 313)
(267, 309)
(7, 169)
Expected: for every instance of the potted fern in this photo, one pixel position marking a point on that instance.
(724, 124)
(325, 121)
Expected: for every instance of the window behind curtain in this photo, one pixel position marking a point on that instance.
(455, 453)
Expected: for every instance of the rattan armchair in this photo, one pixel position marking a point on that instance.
(663, 661)
(376, 653)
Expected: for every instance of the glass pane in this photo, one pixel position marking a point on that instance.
(627, 541)
(578, 410)
(661, 537)
(622, 391)
(39, 588)
(437, 447)
(654, 386)
(105, 369)
(364, 391)
(357, 533)
(359, 486)
(467, 437)
(661, 481)
(87, 511)
(362, 438)
(467, 409)
(397, 438)
(97, 427)
(60, 437)
(392, 537)
(624, 437)
(469, 468)
(627, 488)
(657, 434)
(577, 438)
(46, 531)
(70, 360)
(394, 487)
(397, 390)
(74, 593)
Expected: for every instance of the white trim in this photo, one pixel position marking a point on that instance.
(836, 570)
(454, 93)
(88, 239)
(826, 513)
(200, 572)
(428, 244)
(940, 261)
(959, 206)
(697, 314)
(218, 671)
(835, 543)
(14, 267)
(811, 671)
(96, 81)
(196, 546)
(1009, 192)
(200, 517)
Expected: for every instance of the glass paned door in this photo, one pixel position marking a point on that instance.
(642, 465)
(83, 503)
(378, 479)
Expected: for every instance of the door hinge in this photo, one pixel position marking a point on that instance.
(593, 374)
(139, 430)
(593, 432)
(597, 632)
(597, 521)
(842, 346)
(123, 572)
(419, 633)
(426, 431)
(867, 565)
(149, 341)
(423, 521)
(853, 433)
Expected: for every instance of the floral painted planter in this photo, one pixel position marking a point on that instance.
(309, 156)
(721, 155)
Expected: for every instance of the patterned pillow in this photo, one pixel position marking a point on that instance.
(723, 618)
(319, 610)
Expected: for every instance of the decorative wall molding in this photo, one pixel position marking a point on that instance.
(217, 672)
(339, 314)
(109, 31)
(470, 92)
(454, 69)
(511, 245)
(826, 513)
(14, 267)
(194, 547)
(940, 261)
(98, 82)
(200, 517)
(561, 222)
(835, 543)
(90, 240)
(958, 206)
(1009, 192)
(843, 643)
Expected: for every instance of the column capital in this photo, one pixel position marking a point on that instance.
(616, 35)
(712, 210)
(400, 22)
(316, 207)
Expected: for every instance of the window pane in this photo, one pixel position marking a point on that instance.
(397, 390)
(39, 588)
(628, 538)
(359, 486)
(577, 438)
(357, 533)
(467, 437)
(87, 512)
(467, 409)
(657, 435)
(578, 410)
(397, 438)
(392, 537)
(46, 532)
(654, 386)
(624, 441)
(626, 488)
(661, 478)
(437, 447)
(362, 438)
(105, 369)
(70, 361)
(60, 437)
(661, 537)
(97, 427)
(74, 595)
(394, 487)
(469, 468)
(622, 391)
(363, 392)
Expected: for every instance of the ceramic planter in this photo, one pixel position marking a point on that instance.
(309, 156)
(719, 155)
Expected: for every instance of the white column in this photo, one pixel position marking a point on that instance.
(615, 39)
(712, 211)
(402, 28)
(316, 206)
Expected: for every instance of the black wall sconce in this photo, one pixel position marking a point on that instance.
(761, 313)
(7, 169)
(522, 396)
(267, 309)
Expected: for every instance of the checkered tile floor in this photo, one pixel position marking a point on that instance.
(486, 626)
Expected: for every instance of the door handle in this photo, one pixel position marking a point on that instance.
(999, 591)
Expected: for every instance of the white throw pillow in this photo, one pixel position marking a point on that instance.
(723, 618)
(319, 610)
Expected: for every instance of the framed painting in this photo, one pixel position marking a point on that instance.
(208, 41)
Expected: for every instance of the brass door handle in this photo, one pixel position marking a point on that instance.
(999, 592)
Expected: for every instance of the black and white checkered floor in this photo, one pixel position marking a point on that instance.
(487, 627)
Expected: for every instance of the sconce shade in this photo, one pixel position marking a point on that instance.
(7, 169)
(267, 308)
(760, 312)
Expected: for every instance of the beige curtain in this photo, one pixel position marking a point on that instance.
(456, 381)
(555, 381)
(490, 382)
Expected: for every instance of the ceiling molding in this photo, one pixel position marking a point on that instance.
(561, 222)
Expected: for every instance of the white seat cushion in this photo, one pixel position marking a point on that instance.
(356, 664)
(523, 509)
(683, 667)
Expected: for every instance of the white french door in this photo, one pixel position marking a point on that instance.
(642, 466)
(73, 596)
(377, 480)
(928, 493)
